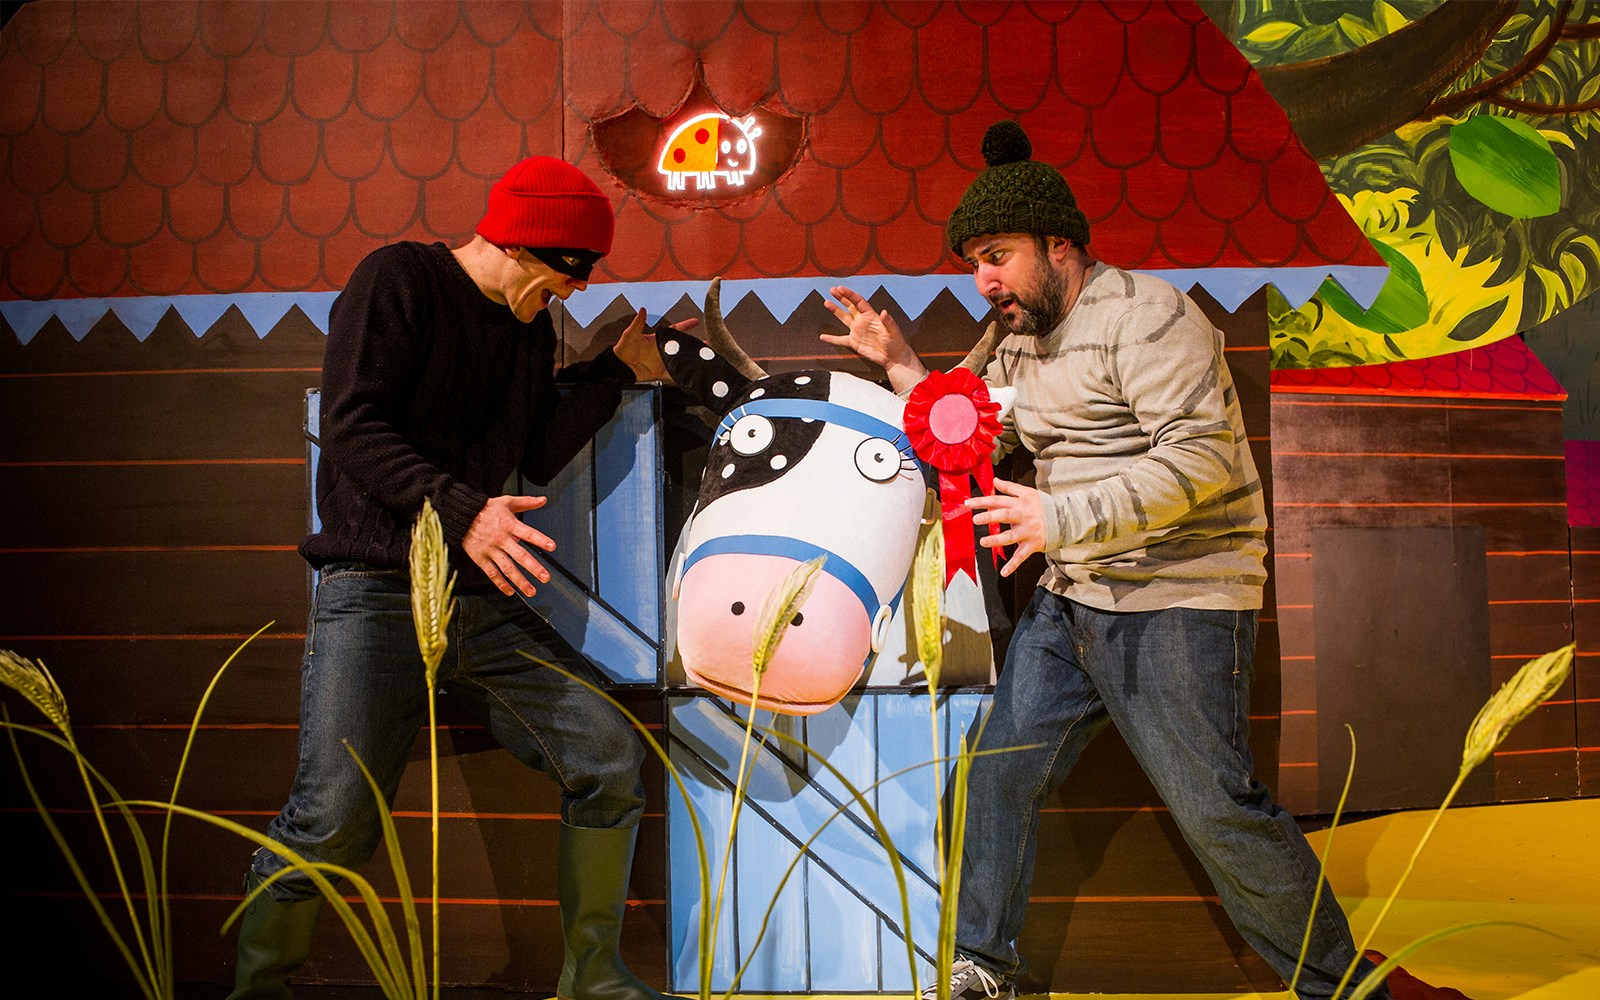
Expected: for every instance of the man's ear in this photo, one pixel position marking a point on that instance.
(1058, 248)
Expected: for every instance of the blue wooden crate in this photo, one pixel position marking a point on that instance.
(607, 575)
(836, 924)
(605, 596)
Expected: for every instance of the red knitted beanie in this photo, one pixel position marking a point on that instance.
(546, 202)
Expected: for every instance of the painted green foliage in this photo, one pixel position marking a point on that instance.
(1507, 166)
(1400, 305)
(1479, 204)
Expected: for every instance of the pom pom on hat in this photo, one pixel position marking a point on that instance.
(547, 202)
(1005, 142)
(1015, 194)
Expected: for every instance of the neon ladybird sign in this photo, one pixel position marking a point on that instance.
(707, 147)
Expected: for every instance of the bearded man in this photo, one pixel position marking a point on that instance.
(1149, 512)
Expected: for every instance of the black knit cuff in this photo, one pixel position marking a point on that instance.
(459, 505)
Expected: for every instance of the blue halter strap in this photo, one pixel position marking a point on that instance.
(836, 565)
(817, 409)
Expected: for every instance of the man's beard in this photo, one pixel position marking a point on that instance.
(1040, 312)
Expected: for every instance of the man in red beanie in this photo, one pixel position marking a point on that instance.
(439, 380)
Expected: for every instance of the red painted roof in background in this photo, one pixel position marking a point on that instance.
(1506, 369)
(178, 148)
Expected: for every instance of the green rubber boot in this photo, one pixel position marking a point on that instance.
(593, 887)
(274, 940)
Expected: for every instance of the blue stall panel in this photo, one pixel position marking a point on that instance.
(837, 924)
(607, 572)
(313, 433)
(605, 593)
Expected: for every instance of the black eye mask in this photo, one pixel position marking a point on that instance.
(578, 264)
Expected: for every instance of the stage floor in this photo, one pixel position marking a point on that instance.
(1536, 865)
(1533, 864)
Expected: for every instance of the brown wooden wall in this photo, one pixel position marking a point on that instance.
(1586, 667)
(1491, 469)
(155, 494)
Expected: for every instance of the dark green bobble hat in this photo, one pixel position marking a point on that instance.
(1016, 194)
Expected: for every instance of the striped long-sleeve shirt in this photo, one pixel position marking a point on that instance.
(1151, 497)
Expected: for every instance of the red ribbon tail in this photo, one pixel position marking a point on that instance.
(960, 551)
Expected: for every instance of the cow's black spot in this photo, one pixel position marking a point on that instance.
(792, 438)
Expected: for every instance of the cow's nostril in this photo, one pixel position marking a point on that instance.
(738, 608)
(798, 618)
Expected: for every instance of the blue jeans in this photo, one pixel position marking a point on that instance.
(1177, 685)
(362, 682)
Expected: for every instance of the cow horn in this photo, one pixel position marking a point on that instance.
(978, 358)
(721, 340)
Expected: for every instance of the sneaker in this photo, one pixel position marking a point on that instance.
(969, 981)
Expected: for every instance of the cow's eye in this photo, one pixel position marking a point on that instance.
(878, 460)
(750, 434)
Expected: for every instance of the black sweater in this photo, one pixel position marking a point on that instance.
(431, 389)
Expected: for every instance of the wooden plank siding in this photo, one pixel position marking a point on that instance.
(158, 517)
(1586, 666)
(1398, 463)
(155, 494)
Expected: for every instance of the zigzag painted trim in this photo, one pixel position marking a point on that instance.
(140, 314)
(1230, 286)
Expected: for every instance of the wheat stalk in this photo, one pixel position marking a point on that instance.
(927, 619)
(431, 608)
(778, 611)
(431, 601)
(35, 683)
(1537, 680)
(927, 603)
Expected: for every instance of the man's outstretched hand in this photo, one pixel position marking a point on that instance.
(1021, 507)
(494, 541)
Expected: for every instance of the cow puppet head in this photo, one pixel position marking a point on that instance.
(802, 464)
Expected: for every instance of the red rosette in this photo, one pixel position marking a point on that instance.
(953, 424)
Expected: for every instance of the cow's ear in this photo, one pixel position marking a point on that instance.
(698, 370)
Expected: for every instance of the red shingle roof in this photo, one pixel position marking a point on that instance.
(1506, 369)
(175, 149)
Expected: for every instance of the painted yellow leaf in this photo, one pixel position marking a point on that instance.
(1387, 18)
(1272, 32)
